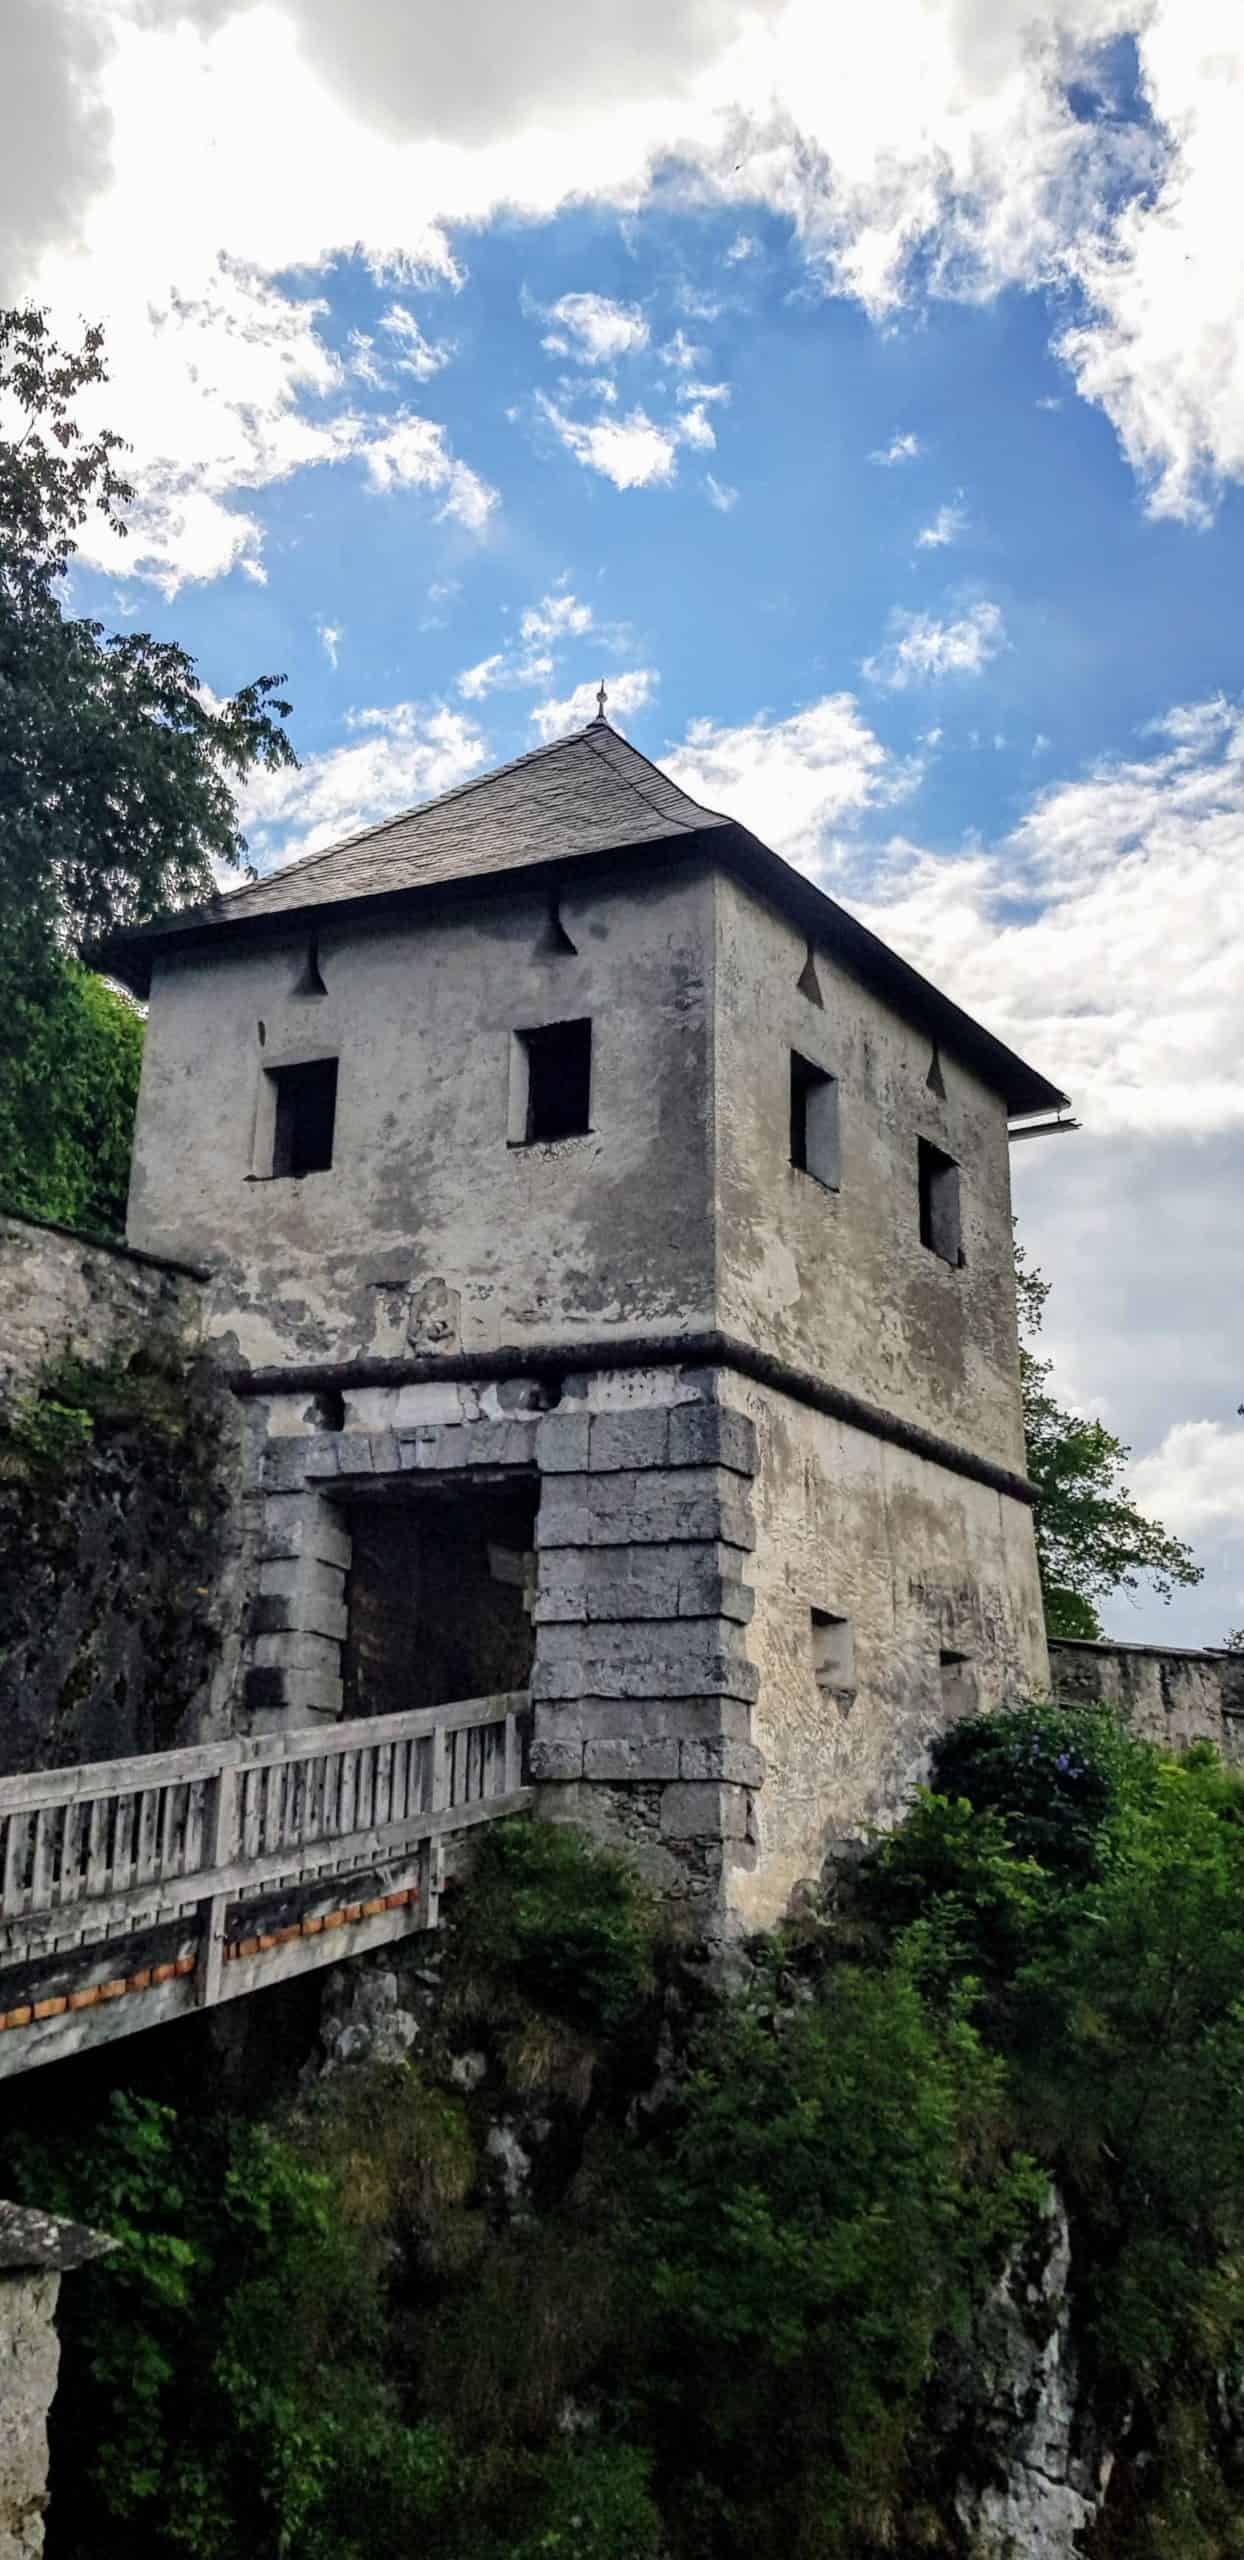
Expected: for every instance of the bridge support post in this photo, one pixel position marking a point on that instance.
(219, 1847)
(436, 1847)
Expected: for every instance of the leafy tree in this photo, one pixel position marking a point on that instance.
(117, 767)
(1091, 1538)
(827, 2202)
(68, 1089)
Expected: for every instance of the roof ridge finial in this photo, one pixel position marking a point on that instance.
(601, 699)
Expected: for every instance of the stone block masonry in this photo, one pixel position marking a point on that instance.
(1169, 1694)
(638, 1600)
(642, 1687)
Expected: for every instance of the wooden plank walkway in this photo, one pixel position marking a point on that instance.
(132, 1891)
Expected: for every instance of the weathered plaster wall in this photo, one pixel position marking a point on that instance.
(1167, 1695)
(431, 1232)
(838, 1281)
(123, 1562)
(920, 1562)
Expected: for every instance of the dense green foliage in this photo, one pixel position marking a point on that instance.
(737, 2315)
(1091, 1539)
(117, 772)
(68, 1089)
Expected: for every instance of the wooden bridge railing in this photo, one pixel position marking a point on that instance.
(193, 1876)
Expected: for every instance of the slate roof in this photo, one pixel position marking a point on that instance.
(590, 795)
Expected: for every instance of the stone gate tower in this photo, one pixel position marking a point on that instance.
(613, 1240)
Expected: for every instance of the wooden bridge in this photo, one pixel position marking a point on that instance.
(133, 1891)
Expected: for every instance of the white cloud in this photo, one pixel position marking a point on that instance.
(558, 616)
(680, 352)
(1195, 1479)
(634, 452)
(921, 649)
(947, 526)
(397, 756)
(1162, 350)
(936, 149)
(419, 356)
(544, 629)
(705, 394)
(1142, 1236)
(595, 330)
(330, 640)
(792, 781)
(627, 691)
(414, 453)
(364, 363)
(474, 682)
(1105, 936)
(942, 153)
(696, 427)
(741, 247)
(901, 448)
(720, 494)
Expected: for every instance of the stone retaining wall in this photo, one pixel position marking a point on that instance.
(123, 1569)
(1168, 1694)
(35, 2251)
(63, 1293)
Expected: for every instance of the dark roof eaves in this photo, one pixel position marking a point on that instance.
(1022, 1087)
(207, 925)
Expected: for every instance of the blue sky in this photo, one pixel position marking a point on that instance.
(789, 591)
(864, 402)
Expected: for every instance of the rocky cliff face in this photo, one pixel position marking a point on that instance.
(1040, 2470)
(1028, 2467)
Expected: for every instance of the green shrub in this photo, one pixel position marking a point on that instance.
(226, 2389)
(595, 2503)
(830, 2201)
(555, 1923)
(717, 2332)
(1054, 1775)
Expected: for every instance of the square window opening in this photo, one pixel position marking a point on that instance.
(305, 1117)
(940, 1226)
(814, 1143)
(958, 1680)
(833, 1650)
(551, 1090)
